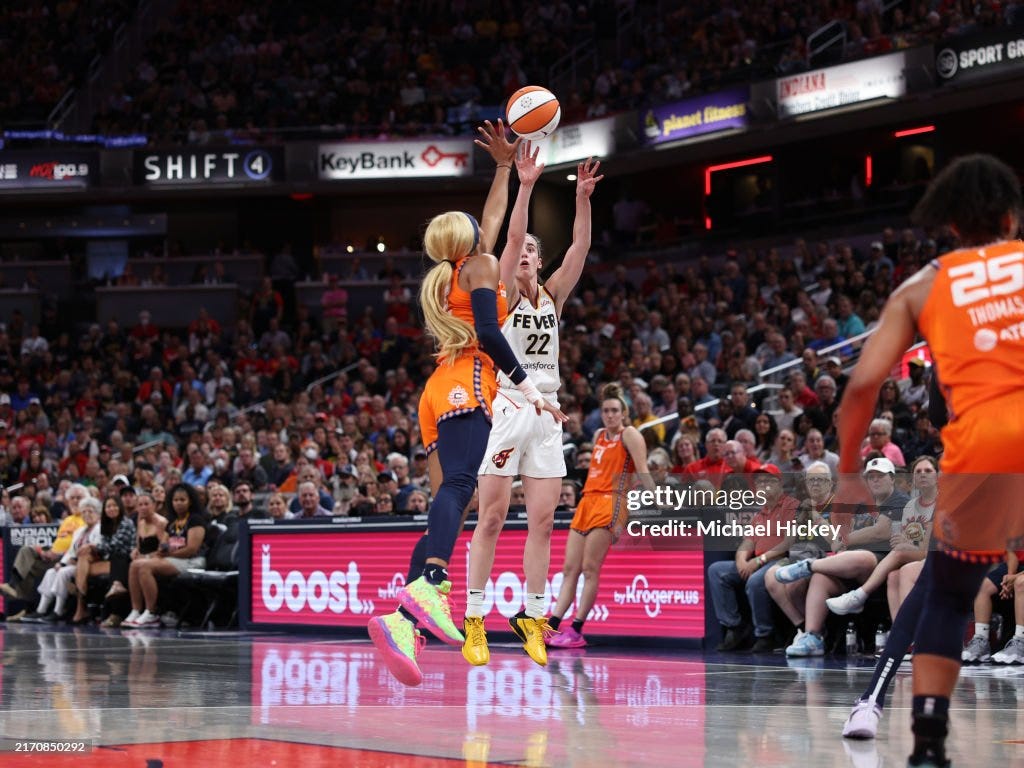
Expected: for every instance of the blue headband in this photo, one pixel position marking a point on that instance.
(476, 231)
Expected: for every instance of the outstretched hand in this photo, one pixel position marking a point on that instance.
(527, 165)
(495, 142)
(586, 177)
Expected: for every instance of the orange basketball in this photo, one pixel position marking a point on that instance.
(533, 112)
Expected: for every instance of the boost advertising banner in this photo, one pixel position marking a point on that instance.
(980, 55)
(395, 159)
(879, 77)
(51, 169)
(693, 117)
(342, 578)
(197, 167)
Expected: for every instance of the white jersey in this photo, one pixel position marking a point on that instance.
(532, 333)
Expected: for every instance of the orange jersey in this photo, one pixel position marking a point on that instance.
(610, 464)
(470, 381)
(460, 305)
(974, 322)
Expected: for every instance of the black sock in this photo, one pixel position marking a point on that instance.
(407, 615)
(554, 621)
(931, 724)
(577, 624)
(799, 627)
(418, 560)
(435, 574)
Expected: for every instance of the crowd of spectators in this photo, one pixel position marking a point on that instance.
(233, 71)
(46, 48)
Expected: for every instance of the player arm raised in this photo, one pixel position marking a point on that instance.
(564, 280)
(497, 145)
(529, 172)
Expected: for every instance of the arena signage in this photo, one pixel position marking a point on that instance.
(980, 55)
(342, 578)
(59, 169)
(694, 117)
(595, 138)
(191, 167)
(879, 77)
(395, 159)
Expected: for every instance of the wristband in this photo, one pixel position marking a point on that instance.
(530, 391)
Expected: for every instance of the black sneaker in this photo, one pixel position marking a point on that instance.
(50, 618)
(763, 645)
(736, 639)
(33, 618)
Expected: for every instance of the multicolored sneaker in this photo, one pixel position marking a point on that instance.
(399, 643)
(429, 604)
(534, 634)
(567, 638)
(475, 649)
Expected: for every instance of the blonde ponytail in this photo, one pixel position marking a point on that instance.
(449, 237)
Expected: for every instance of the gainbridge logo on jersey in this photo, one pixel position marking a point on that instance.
(336, 592)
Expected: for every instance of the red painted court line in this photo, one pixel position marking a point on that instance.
(225, 752)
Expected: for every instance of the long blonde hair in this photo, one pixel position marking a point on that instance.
(449, 237)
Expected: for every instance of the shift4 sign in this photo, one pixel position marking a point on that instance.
(204, 167)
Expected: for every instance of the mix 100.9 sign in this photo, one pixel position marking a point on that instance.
(344, 578)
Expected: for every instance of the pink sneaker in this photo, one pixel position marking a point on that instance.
(399, 643)
(566, 638)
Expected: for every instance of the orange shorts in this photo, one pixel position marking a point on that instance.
(979, 513)
(598, 510)
(453, 390)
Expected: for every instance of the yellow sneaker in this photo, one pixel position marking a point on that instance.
(532, 632)
(475, 649)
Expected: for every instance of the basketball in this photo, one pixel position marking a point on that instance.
(533, 112)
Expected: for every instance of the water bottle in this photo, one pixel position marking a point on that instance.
(881, 638)
(851, 640)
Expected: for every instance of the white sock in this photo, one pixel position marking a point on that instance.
(61, 603)
(534, 605)
(475, 603)
(860, 594)
(981, 630)
(1020, 631)
(44, 604)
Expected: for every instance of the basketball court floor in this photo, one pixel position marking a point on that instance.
(169, 700)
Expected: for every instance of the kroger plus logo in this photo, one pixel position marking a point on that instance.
(640, 593)
(336, 592)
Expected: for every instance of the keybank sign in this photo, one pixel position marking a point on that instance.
(395, 159)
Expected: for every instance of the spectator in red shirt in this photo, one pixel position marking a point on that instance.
(712, 466)
(145, 330)
(803, 394)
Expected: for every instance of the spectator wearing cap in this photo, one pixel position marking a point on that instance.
(747, 570)
(877, 261)
(914, 391)
(309, 502)
(880, 439)
(419, 475)
(863, 542)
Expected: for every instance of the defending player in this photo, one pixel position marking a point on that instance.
(521, 444)
(463, 304)
(969, 305)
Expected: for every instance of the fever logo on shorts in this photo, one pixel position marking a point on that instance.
(500, 459)
(458, 396)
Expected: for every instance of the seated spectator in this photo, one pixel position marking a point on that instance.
(684, 452)
(814, 450)
(765, 433)
(419, 503)
(754, 558)
(30, 563)
(183, 549)
(909, 540)
(712, 466)
(53, 589)
(869, 530)
(150, 530)
(277, 507)
(879, 439)
(658, 465)
(1002, 582)
(116, 538)
(785, 415)
(309, 503)
(219, 501)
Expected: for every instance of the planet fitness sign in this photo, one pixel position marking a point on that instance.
(693, 117)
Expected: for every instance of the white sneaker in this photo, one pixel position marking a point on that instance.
(1013, 653)
(977, 650)
(147, 619)
(169, 619)
(131, 619)
(851, 602)
(863, 720)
